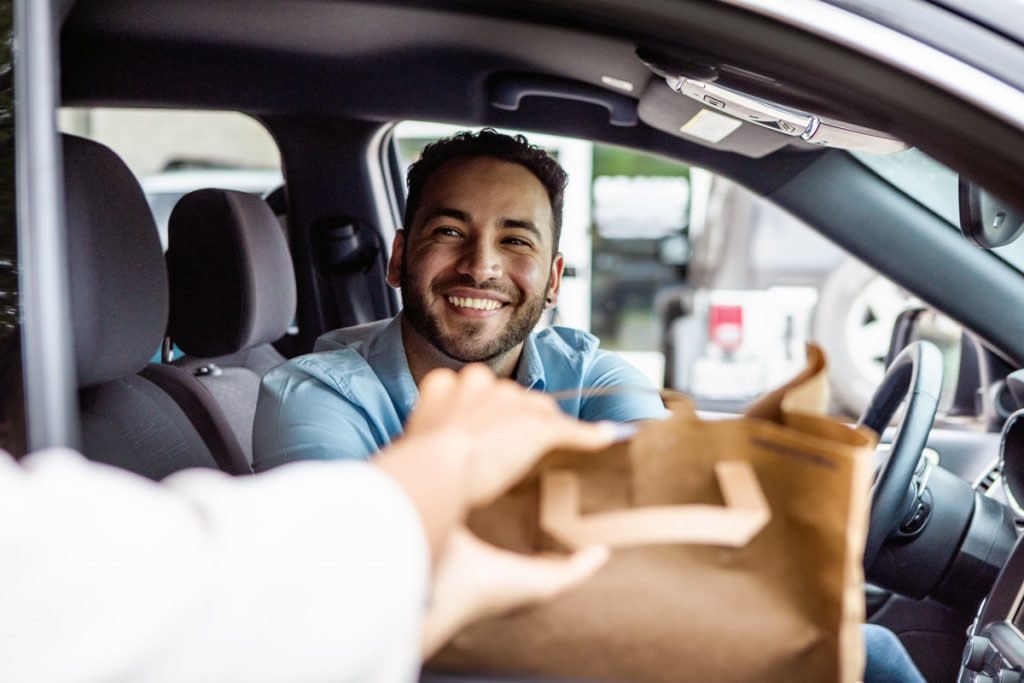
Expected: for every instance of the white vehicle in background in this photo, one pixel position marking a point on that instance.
(761, 285)
(165, 188)
(753, 340)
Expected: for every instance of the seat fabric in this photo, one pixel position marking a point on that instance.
(133, 424)
(232, 288)
(119, 305)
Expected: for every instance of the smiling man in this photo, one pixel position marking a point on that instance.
(477, 263)
(480, 264)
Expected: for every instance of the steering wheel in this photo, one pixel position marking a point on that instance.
(916, 374)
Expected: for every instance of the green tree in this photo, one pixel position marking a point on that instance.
(615, 161)
(8, 242)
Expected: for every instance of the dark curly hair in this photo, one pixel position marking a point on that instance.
(488, 143)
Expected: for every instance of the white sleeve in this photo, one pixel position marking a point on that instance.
(315, 571)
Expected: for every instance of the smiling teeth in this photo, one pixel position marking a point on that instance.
(478, 304)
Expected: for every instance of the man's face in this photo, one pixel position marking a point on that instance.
(477, 264)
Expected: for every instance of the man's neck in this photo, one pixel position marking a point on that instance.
(423, 356)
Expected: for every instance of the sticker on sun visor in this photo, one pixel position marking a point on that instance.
(709, 126)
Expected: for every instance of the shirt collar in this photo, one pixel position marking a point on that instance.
(530, 372)
(386, 355)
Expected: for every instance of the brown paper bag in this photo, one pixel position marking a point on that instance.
(737, 550)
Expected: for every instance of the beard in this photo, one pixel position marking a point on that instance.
(467, 342)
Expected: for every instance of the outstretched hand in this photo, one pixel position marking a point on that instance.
(474, 580)
(470, 438)
(503, 428)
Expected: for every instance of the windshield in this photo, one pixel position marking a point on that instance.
(935, 187)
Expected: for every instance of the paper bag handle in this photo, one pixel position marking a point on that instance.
(734, 524)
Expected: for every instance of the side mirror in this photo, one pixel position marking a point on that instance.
(986, 220)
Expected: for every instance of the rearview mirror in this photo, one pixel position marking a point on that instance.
(985, 220)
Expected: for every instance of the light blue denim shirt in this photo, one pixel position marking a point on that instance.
(352, 397)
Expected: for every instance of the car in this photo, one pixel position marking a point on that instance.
(872, 125)
(165, 188)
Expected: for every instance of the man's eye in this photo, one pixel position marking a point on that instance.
(445, 231)
(517, 242)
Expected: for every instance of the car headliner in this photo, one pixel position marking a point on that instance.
(405, 48)
(390, 61)
(386, 61)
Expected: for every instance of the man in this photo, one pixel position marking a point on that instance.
(477, 264)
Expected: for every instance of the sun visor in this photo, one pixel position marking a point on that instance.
(663, 108)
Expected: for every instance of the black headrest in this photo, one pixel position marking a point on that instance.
(119, 297)
(231, 275)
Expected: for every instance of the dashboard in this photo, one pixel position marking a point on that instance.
(995, 644)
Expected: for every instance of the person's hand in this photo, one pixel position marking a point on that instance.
(474, 580)
(503, 428)
(470, 437)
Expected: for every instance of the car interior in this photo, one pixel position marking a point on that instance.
(778, 108)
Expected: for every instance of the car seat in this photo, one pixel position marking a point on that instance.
(150, 419)
(232, 290)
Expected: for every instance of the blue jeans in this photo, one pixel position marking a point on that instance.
(887, 659)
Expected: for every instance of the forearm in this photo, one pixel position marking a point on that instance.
(432, 472)
(316, 571)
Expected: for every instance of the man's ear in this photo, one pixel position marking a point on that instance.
(555, 282)
(394, 277)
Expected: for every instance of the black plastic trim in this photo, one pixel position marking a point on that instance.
(508, 90)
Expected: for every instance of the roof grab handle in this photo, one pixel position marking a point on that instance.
(508, 90)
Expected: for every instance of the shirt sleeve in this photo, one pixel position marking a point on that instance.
(107, 576)
(299, 418)
(638, 399)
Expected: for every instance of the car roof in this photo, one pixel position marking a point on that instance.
(391, 61)
(992, 14)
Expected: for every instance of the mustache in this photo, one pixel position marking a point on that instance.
(511, 293)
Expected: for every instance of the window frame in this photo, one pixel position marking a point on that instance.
(48, 366)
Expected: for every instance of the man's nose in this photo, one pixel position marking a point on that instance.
(480, 260)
